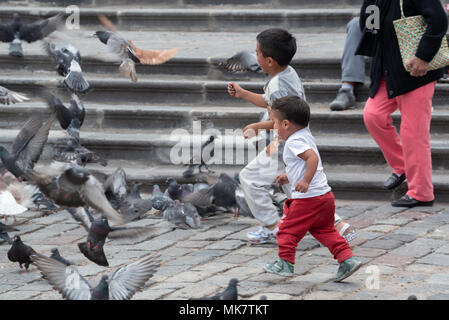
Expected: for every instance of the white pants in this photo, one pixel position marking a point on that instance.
(256, 180)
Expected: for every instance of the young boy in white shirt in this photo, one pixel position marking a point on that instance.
(311, 207)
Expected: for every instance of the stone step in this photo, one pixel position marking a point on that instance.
(349, 182)
(141, 117)
(201, 19)
(198, 92)
(175, 146)
(188, 3)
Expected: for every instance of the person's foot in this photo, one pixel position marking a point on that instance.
(262, 235)
(346, 231)
(280, 267)
(409, 202)
(394, 180)
(345, 99)
(347, 268)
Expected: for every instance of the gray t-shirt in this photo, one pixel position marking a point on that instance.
(285, 83)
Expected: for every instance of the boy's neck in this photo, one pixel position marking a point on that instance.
(294, 129)
(276, 70)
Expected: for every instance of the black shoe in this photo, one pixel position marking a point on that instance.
(394, 181)
(408, 202)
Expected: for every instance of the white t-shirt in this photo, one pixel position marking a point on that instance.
(299, 142)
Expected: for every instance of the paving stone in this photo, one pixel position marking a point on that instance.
(155, 244)
(235, 258)
(193, 244)
(187, 276)
(419, 247)
(242, 272)
(399, 237)
(369, 235)
(439, 296)
(307, 243)
(441, 232)
(190, 260)
(212, 235)
(152, 294)
(382, 244)
(271, 296)
(226, 245)
(439, 278)
(254, 251)
(436, 258)
(443, 249)
(324, 295)
(249, 288)
(291, 288)
(241, 235)
(368, 252)
(346, 286)
(211, 268)
(313, 277)
(392, 259)
(18, 295)
(52, 219)
(381, 228)
(395, 221)
(195, 291)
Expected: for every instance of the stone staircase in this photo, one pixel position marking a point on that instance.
(134, 124)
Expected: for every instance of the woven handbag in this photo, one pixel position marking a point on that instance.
(409, 32)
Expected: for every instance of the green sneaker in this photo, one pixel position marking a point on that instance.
(347, 267)
(280, 267)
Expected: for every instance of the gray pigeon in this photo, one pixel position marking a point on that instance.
(243, 61)
(16, 31)
(121, 285)
(4, 229)
(10, 97)
(57, 256)
(68, 65)
(230, 293)
(184, 216)
(160, 200)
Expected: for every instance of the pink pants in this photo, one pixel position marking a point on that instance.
(410, 152)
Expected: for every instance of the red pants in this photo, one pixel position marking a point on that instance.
(315, 215)
(409, 153)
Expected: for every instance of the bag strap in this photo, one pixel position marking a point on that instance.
(401, 2)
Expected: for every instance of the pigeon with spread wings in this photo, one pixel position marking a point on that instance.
(16, 31)
(128, 53)
(121, 285)
(10, 97)
(70, 185)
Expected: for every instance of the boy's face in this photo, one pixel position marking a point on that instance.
(281, 125)
(264, 62)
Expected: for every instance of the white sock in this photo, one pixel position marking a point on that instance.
(348, 86)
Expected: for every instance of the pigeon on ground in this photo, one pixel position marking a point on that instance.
(4, 229)
(174, 189)
(68, 65)
(9, 206)
(184, 216)
(412, 297)
(63, 114)
(243, 61)
(230, 293)
(69, 185)
(160, 200)
(16, 31)
(74, 152)
(20, 253)
(210, 154)
(27, 146)
(57, 256)
(127, 53)
(10, 97)
(121, 285)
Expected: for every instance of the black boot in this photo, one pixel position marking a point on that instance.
(394, 181)
(408, 202)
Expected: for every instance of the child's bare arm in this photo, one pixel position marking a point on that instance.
(311, 159)
(237, 91)
(254, 128)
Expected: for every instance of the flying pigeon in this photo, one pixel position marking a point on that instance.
(10, 97)
(74, 152)
(20, 253)
(121, 285)
(69, 185)
(160, 200)
(68, 65)
(57, 256)
(4, 229)
(27, 146)
(16, 31)
(128, 53)
(65, 115)
(230, 293)
(193, 165)
(243, 61)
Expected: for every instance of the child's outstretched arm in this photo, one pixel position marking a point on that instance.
(311, 159)
(237, 91)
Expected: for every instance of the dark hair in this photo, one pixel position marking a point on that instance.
(294, 109)
(278, 44)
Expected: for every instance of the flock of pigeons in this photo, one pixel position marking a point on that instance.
(67, 184)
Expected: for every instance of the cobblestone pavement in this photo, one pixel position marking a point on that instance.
(405, 252)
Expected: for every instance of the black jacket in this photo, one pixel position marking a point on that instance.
(387, 60)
